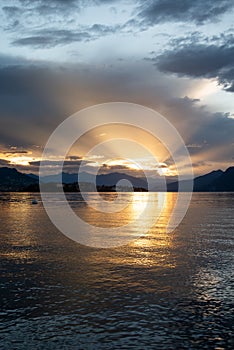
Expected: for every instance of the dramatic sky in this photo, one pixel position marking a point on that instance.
(59, 56)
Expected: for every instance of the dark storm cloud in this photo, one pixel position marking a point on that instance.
(26, 107)
(39, 97)
(108, 169)
(201, 60)
(199, 11)
(19, 78)
(213, 132)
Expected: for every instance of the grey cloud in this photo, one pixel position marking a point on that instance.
(50, 167)
(194, 145)
(30, 23)
(71, 166)
(201, 60)
(26, 104)
(66, 3)
(19, 78)
(156, 11)
(106, 168)
(213, 131)
(11, 10)
(56, 162)
(24, 12)
(218, 135)
(55, 93)
(47, 38)
(51, 38)
(46, 7)
(120, 169)
(4, 162)
(202, 164)
(55, 8)
(104, 29)
(27, 10)
(15, 152)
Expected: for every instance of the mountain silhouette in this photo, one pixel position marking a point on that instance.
(225, 182)
(12, 180)
(110, 179)
(215, 181)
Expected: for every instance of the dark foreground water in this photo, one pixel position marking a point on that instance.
(163, 291)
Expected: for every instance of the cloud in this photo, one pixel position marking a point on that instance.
(202, 164)
(38, 97)
(156, 11)
(11, 10)
(46, 38)
(47, 24)
(4, 162)
(55, 163)
(75, 158)
(52, 38)
(26, 12)
(200, 60)
(162, 166)
(62, 4)
(194, 145)
(15, 152)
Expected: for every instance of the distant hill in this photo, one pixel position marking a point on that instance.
(200, 184)
(101, 180)
(225, 182)
(203, 182)
(215, 181)
(35, 177)
(113, 178)
(66, 177)
(12, 180)
(107, 179)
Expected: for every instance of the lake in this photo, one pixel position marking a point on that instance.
(161, 291)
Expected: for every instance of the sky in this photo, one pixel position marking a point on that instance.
(59, 56)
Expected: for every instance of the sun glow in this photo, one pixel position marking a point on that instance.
(124, 163)
(140, 164)
(163, 171)
(204, 88)
(20, 160)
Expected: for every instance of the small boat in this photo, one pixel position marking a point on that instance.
(34, 201)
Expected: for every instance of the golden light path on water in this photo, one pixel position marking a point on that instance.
(24, 222)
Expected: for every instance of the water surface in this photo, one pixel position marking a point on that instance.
(162, 291)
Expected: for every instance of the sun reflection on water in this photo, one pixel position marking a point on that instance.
(29, 224)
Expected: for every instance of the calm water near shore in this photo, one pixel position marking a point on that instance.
(162, 291)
